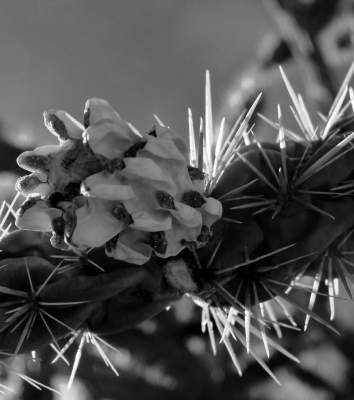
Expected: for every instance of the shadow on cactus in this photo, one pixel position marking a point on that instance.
(127, 223)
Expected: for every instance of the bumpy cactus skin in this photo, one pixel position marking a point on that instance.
(109, 302)
(308, 218)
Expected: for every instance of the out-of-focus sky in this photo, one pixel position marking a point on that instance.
(145, 57)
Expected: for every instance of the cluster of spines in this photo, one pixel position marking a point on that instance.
(25, 308)
(213, 153)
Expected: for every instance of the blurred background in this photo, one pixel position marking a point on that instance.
(150, 57)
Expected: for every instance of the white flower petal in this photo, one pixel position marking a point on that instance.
(63, 125)
(33, 184)
(177, 236)
(108, 186)
(127, 254)
(211, 210)
(110, 139)
(167, 133)
(145, 218)
(163, 148)
(131, 247)
(98, 110)
(95, 224)
(36, 217)
(186, 215)
(151, 221)
(147, 169)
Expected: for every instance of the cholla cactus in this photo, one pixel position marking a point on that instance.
(232, 222)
